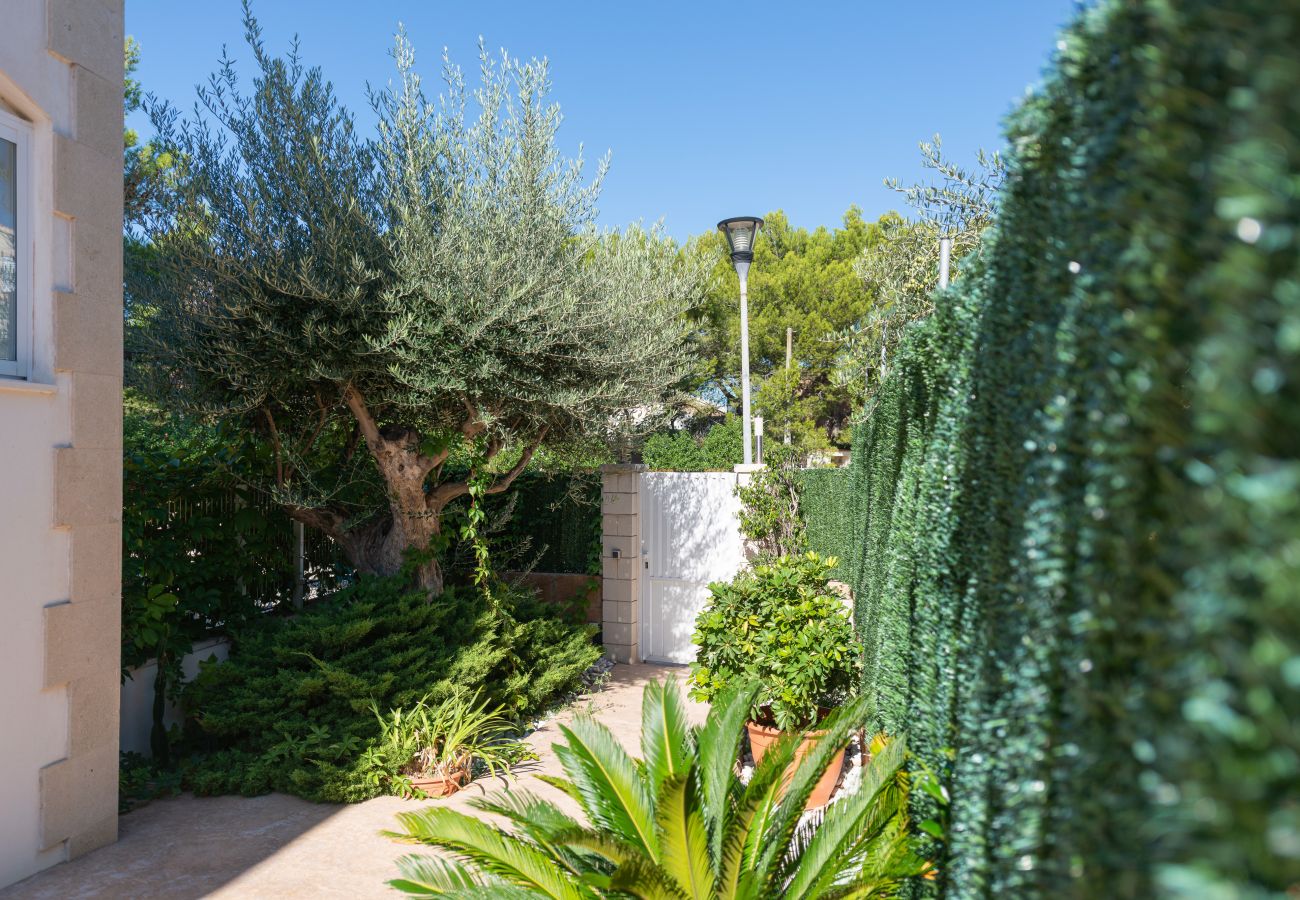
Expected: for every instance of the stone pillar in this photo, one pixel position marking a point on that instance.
(620, 505)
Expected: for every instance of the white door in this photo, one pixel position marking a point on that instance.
(690, 537)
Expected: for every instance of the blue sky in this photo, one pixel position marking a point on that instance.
(709, 109)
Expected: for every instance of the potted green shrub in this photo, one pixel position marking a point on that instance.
(431, 749)
(781, 625)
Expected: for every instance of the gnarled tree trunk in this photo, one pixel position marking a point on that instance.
(415, 506)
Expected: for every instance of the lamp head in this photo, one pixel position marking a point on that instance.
(741, 232)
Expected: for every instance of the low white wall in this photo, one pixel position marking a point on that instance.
(137, 695)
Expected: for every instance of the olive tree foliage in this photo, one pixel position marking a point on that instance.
(378, 307)
(901, 270)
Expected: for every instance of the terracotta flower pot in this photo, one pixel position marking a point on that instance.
(761, 737)
(440, 785)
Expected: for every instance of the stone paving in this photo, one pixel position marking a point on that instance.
(280, 846)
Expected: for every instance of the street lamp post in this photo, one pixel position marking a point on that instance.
(741, 231)
(945, 261)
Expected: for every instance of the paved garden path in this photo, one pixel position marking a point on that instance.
(280, 846)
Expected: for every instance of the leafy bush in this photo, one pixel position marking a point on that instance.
(291, 708)
(769, 514)
(679, 823)
(723, 446)
(1078, 484)
(673, 451)
(781, 625)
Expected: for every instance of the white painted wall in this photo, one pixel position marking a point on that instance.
(34, 563)
(137, 695)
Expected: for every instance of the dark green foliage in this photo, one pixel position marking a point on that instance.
(291, 709)
(724, 445)
(1077, 490)
(721, 448)
(781, 625)
(826, 507)
(769, 514)
(141, 780)
(673, 451)
(202, 551)
(190, 528)
(553, 523)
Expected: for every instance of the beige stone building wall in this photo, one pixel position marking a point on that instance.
(621, 561)
(61, 438)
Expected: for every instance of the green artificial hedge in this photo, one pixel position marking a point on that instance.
(553, 522)
(826, 506)
(1077, 496)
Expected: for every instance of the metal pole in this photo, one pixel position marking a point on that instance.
(742, 269)
(299, 554)
(945, 261)
(789, 360)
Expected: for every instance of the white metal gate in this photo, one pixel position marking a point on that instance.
(690, 537)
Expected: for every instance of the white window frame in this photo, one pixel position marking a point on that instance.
(19, 133)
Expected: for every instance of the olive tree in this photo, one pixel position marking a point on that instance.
(379, 306)
(901, 268)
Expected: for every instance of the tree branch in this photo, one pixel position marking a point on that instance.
(526, 457)
(320, 425)
(474, 425)
(357, 404)
(275, 444)
(444, 494)
(351, 447)
(323, 519)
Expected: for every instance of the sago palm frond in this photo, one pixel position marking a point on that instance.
(549, 826)
(493, 851)
(758, 806)
(775, 863)
(665, 737)
(718, 747)
(847, 826)
(426, 876)
(679, 825)
(683, 839)
(607, 783)
(644, 879)
(537, 817)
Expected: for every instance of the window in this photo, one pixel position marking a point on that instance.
(15, 246)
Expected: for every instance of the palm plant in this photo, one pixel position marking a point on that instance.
(678, 823)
